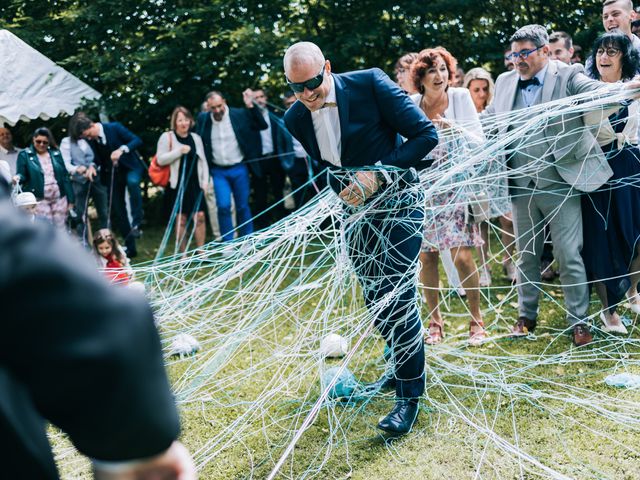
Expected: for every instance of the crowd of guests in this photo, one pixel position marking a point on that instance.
(231, 165)
(584, 212)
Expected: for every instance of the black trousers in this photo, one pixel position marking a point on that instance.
(267, 205)
(119, 215)
(384, 247)
(98, 192)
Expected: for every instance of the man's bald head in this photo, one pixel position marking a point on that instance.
(303, 53)
(303, 63)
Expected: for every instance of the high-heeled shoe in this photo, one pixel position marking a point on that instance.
(612, 328)
(634, 303)
(436, 333)
(477, 333)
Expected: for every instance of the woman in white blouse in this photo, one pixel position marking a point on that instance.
(189, 175)
(447, 224)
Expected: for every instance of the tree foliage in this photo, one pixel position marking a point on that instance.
(146, 56)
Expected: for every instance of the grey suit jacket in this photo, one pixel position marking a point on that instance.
(579, 159)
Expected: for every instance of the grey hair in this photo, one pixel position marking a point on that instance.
(536, 34)
(303, 52)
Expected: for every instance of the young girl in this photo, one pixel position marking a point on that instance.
(111, 257)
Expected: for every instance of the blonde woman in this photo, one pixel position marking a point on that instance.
(481, 88)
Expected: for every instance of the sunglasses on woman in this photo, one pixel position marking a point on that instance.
(41, 142)
(311, 84)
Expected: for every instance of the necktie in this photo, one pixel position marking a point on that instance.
(525, 83)
(329, 104)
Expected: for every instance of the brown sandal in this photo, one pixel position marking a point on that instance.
(477, 333)
(436, 333)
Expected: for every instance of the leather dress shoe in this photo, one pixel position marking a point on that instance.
(523, 327)
(402, 417)
(383, 384)
(581, 335)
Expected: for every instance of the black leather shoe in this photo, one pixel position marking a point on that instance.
(383, 384)
(401, 419)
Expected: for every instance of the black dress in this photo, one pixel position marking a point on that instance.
(187, 193)
(611, 218)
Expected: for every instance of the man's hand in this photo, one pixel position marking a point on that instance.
(90, 173)
(15, 180)
(365, 184)
(247, 96)
(174, 464)
(115, 155)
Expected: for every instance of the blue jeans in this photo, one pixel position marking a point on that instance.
(227, 181)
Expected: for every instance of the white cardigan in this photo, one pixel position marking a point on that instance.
(173, 157)
(462, 112)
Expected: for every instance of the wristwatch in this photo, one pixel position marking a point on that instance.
(381, 177)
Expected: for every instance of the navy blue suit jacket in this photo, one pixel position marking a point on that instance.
(118, 135)
(246, 123)
(374, 113)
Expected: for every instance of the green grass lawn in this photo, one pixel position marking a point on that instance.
(526, 408)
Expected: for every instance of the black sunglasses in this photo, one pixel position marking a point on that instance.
(311, 84)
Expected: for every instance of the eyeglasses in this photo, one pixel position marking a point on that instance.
(102, 235)
(524, 54)
(41, 142)
(311, 84)
(611, 52)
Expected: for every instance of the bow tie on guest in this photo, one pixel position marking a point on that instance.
(329, 104)
(522, 84)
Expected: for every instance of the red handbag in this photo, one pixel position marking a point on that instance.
(159, 174)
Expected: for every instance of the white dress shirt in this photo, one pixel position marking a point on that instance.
(326, 124)
(265, 135)
(224, 144)
(532, 92)
(102, 138)
(11, 157)
(65, 150)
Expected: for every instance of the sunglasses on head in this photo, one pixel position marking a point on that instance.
(311, 84)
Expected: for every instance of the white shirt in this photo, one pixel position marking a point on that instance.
(298, 149)
(65, 150)
(265, 135)
(11, 157)
(224, 144)
(532, 92)
(326, 124)
(102, 138)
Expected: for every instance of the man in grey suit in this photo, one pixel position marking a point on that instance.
(553, 167)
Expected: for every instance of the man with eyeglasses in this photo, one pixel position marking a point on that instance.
(541, 190)
(352, 123)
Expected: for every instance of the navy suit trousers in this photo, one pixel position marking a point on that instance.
(383, 247)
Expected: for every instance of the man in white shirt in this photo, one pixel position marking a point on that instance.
(8, 152)
(231, 140)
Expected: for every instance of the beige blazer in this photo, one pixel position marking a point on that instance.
(173, 157)
(579, 159)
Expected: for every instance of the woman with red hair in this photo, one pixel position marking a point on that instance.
(447, 225)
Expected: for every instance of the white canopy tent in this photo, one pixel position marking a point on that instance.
(32, 86)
